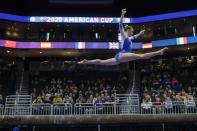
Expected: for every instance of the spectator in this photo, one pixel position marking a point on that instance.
(146, 105)
(157, 105)
(38, 100)
(57, 99)
(66, 99)
(90, 99)
(168, 105)
(190, 104)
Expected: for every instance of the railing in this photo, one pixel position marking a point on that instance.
(121, 98)
(18, 105)
(49, 109)
(175, 107)
(18, 110)
(127, 103)
(99, 108)
(18, 99)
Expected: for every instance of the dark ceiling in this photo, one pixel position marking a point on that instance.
(135, 8)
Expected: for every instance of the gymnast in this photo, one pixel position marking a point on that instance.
(125, 54)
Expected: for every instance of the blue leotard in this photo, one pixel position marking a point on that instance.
(127, 43)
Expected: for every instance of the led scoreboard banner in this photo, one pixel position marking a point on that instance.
(48, 19)
(79, 19)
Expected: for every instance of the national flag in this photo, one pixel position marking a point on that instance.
(45, 44)
(181, 40)
(80, 45)
(113, 45)
(147, 45)
(11, 44)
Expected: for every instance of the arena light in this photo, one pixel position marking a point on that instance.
(194, 30)
(47, 36)
(97, 35)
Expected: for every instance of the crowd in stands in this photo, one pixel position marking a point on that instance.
(161, 82)
(167, 82)
(77, 87)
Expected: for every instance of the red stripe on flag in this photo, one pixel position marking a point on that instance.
(83, 45)
(11, 44)
(185, 40)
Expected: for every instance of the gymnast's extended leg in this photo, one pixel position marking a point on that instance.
(107, 62)
(125, 57)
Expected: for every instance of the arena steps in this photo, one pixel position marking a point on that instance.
(129, 103)
(22, 86)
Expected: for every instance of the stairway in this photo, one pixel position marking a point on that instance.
(20, 103)
(22, 83)
(128, 103)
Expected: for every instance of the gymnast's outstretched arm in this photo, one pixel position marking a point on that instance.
(121, 28)
(139, 34)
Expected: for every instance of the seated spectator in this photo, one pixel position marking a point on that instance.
(157, 105)
(189, 90)
(38, 100)
(108, 100)
(174, 81)
(176, 85)
(113, 97)
(71, 98)
(57, 100)
(183, 95)
(146, 105)
(66, 99)
(90, 99)
(59, 82)
(53, 82)
(46, 99)
(80, 99)
(190, 104)
(194, 94)
(179, 103)
(168, 106)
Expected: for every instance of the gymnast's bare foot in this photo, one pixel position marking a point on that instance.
(163, 50)
(82, 62)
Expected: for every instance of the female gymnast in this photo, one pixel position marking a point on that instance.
(125, 54)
